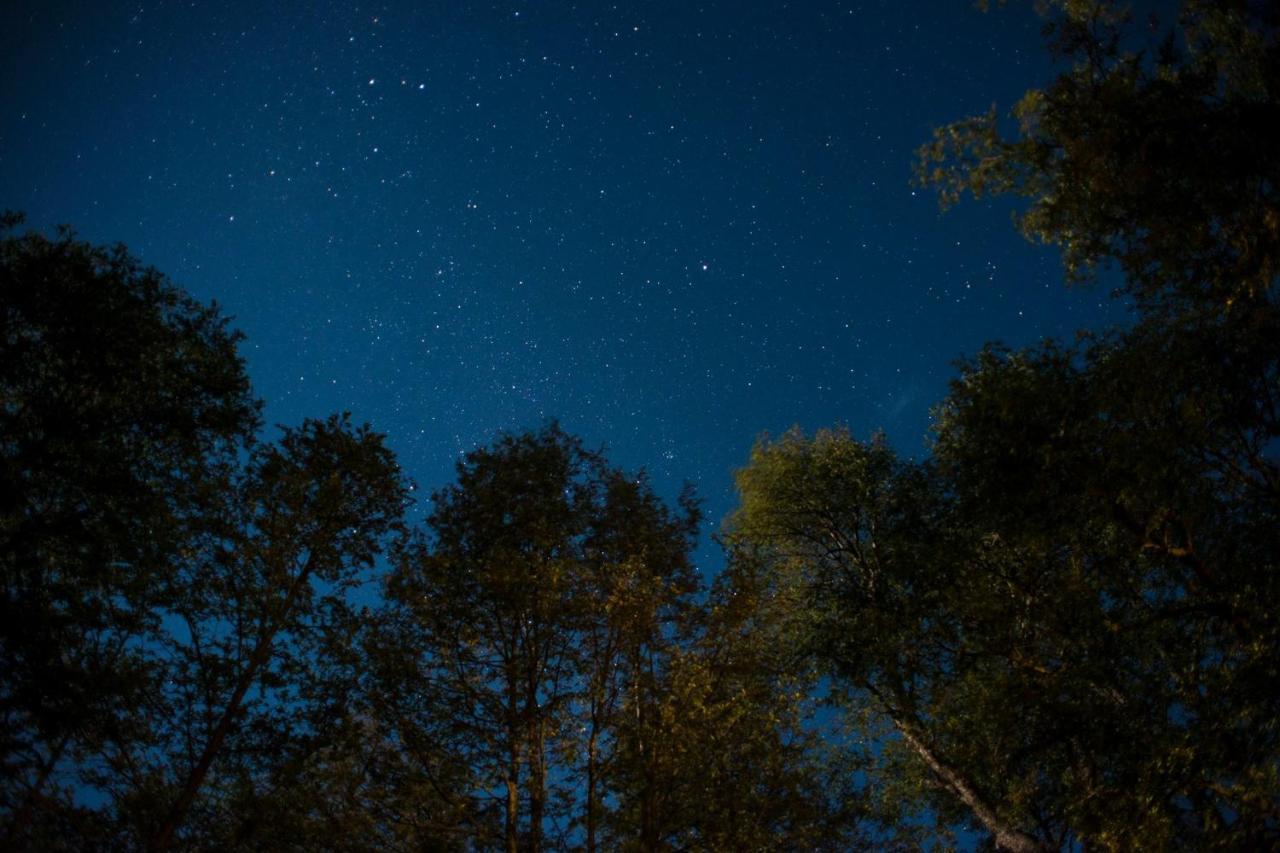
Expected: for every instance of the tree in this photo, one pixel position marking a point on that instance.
(415, 786)
(543, 570)
(1066, 613)
(889, 592)
(1156, 154)
(337, 774)
(1158, 507)
(125, 405)
(633, 606)
(492, 595)
(177, 629)
(729, 752)
(1020, 685)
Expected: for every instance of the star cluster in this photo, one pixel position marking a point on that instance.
(671, 225)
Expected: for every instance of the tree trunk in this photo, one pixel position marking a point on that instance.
(513, 768)
(592, 758)
(513, 804)
(1006, 837)
(648, 817)
(537, 777)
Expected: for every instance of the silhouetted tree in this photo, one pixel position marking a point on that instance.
(542, 571)
(123, 407)
(266, 613)
(177, 636)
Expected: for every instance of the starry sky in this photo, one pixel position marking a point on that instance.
(670, 225)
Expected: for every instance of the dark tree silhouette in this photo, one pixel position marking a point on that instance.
(176, 626)
(123, 406)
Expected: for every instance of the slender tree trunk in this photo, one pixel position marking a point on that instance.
(648, 828)
(1007, 837)
(537, 775)
(513, 802)
(513, 768)
(163, 838)
(592, 758)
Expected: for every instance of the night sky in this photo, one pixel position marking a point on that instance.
(670, 225)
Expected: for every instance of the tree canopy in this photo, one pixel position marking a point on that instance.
(1066, 612)
(175, 588)
(551, 606)
(188, 665)
(1056, 629)
(1153, 150)
(125, 406)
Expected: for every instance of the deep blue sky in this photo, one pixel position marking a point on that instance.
(670, 225)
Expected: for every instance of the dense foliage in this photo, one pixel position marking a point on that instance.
(1066, 613)
(124, 409)
(1057, 630)
(175, 609)
(1154, 150)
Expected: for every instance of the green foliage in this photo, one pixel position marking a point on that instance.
(1139, 484)
(842, 513)
(1066, 614)
(737, 753)
(1159, 155)
(1029, 613)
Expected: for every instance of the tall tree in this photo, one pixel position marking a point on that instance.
(1156, 512)
(888, 592)
(633, 603)
(1067, 612)
(543, 570)
(124, 407)
(1037, 668)
(177, 623)
(491, 591)
(727, 751)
